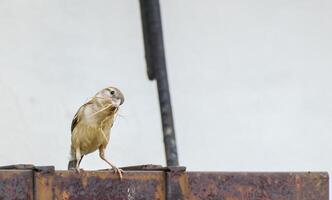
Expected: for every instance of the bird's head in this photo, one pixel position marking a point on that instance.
(112, 94)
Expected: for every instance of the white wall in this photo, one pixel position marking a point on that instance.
(250, 81)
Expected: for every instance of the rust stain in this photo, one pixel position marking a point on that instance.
(231, 198)
(262, 186)
(16, 184)
(65, 196)
(106, 185)
(84, 179)
(160, 191)
(44, 186)
(298, 187)
(176, 185)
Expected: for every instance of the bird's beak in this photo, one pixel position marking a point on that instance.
(122, 99)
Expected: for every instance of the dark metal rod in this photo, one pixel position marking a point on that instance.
(156, 68)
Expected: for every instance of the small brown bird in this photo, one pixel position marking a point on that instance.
(90, 128)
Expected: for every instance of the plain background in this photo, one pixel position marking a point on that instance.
(250, 82)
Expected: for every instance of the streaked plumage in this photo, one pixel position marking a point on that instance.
(91, 126)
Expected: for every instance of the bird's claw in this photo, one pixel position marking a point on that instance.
(118, 171)
(78, 170)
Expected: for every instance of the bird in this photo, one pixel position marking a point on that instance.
(90, 128)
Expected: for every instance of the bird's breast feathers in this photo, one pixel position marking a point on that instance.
(91, 126)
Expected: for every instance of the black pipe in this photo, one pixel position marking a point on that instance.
(156, 69)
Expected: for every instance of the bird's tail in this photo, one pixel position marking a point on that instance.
(72, 164)
(72, 161)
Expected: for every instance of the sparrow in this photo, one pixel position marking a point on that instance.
(90, 128)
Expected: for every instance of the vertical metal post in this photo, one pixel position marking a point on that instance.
(156, 68)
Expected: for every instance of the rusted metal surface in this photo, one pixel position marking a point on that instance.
(259, 186)
(16, 184)
(176, 184)
(160, 183)
(100, 185)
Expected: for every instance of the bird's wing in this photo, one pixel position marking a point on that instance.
(78, 115)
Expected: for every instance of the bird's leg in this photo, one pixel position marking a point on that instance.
(102, 156)
(78, 159)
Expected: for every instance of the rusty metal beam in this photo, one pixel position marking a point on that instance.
(99, 185)
(16, 184)
(161, 183)
(260, 186)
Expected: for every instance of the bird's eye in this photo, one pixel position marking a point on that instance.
(112, 92)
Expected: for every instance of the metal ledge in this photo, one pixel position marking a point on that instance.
(160, 183)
